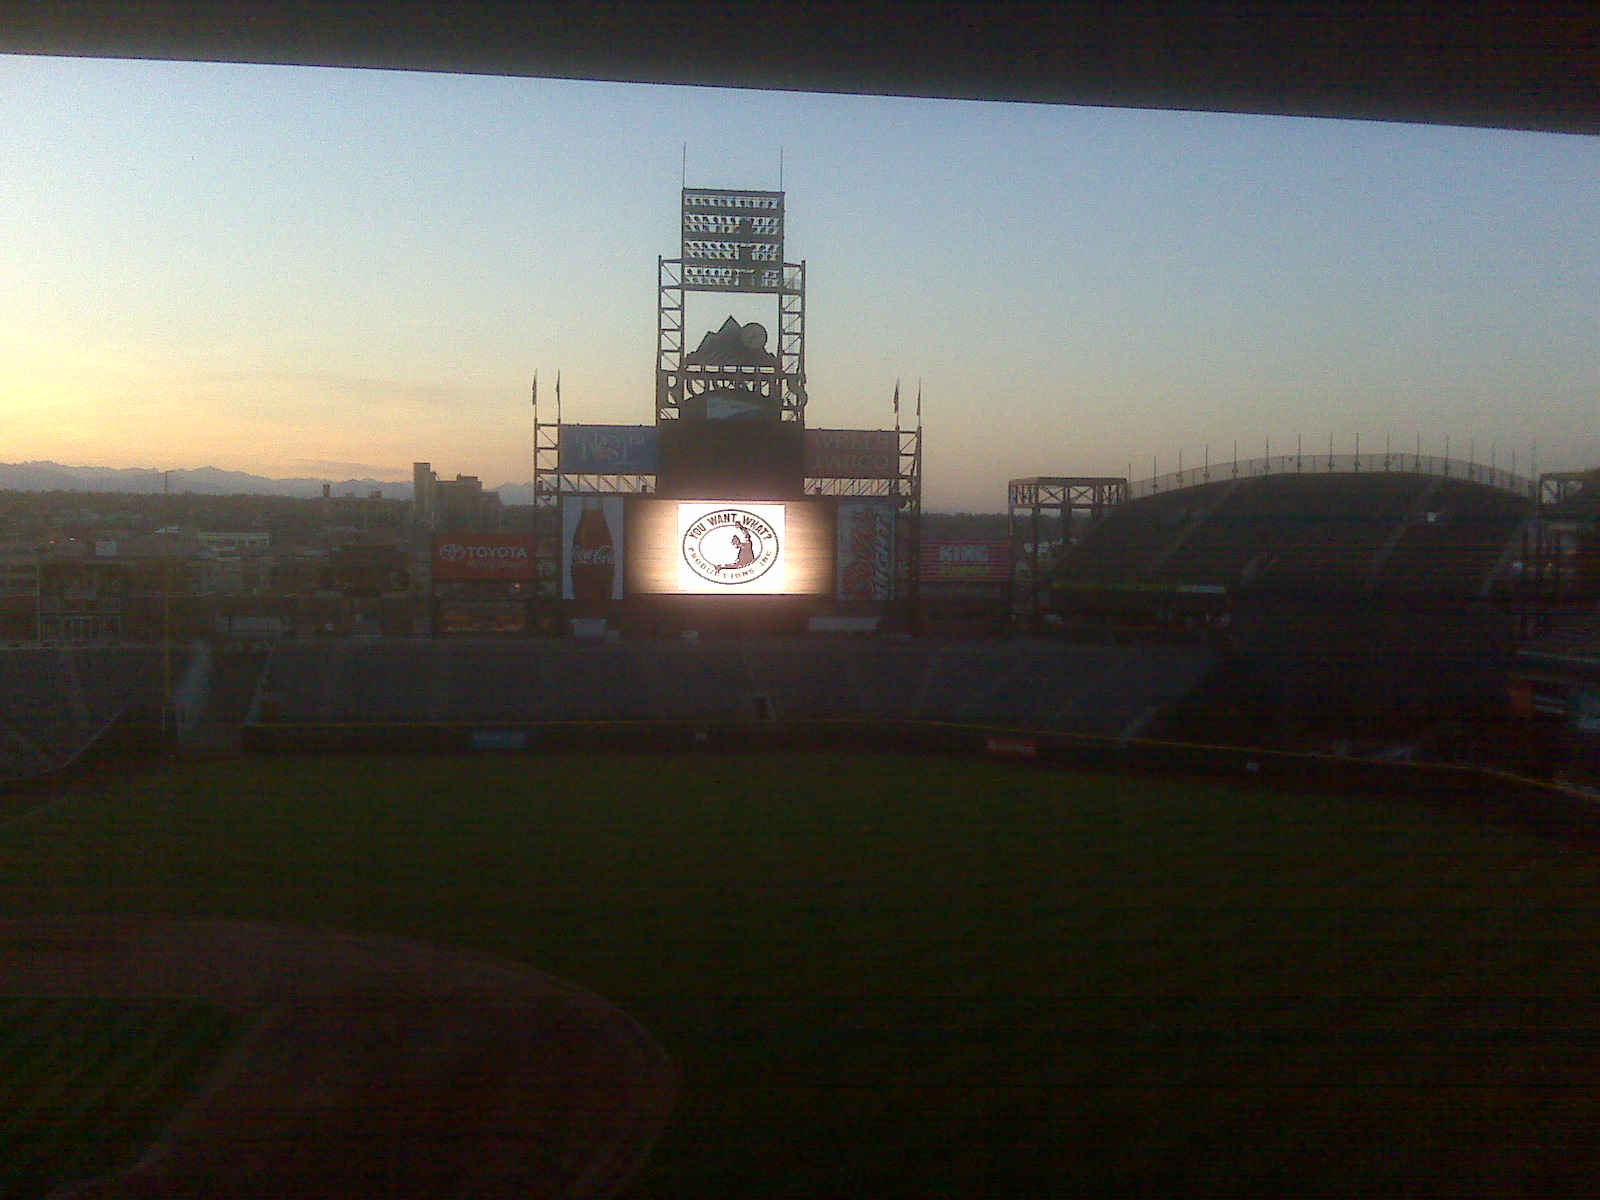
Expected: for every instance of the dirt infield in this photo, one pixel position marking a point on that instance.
(372, 1066)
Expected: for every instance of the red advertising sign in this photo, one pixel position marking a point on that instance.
(966, 562)
(482, 556)
(1010, 747)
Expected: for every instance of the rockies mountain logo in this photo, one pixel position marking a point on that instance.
(730, 546)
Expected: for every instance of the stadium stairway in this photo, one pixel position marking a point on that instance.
(1414, 516)
(1295, 530)
(1455, 542)
(1218, 499)
(234, 680)
(55, 702)
(1135, 535)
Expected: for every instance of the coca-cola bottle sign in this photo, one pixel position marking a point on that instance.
(594, 554)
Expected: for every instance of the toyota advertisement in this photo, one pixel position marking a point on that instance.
(730, 547)
(469, 556)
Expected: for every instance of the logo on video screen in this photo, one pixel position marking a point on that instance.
(730, 546)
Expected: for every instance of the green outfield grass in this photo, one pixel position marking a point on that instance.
(85, 1084)
(891, 976)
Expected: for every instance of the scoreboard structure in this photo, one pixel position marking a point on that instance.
(732, 243)
(727, 512)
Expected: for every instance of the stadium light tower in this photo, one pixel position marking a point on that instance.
(732, 243)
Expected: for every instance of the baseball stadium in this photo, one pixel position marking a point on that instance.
(731, 831)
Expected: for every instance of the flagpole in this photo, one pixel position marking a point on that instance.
(916, 537)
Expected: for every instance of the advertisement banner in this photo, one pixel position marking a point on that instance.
(866, 550)
(482, 556)
(727, 547)
(468, 618)
(966, 562)
(607, 449)
(591, 548)
(852, 454)
(1011, 747)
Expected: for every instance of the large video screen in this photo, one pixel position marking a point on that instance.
(715, 458)
(730, 547)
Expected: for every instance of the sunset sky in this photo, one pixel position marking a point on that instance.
(303, 271)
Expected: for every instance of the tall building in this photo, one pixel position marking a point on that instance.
(458, 505)
(422, 481)
(462, 506)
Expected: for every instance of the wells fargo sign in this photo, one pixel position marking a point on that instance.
(457, 556)
(852, 454)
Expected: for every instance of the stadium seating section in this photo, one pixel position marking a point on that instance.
(1026, 684)
(1345, 585)
(55, 702)
(1385, 532)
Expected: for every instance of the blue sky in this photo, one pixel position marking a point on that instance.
(333, 272)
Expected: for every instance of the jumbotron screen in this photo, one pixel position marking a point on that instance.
(730, 547)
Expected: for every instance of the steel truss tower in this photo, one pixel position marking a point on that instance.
(732, 243)
(551, 483)
(546, 504)
(905, 489)
(1033, 548)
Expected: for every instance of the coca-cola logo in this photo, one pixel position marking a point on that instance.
(730, 546)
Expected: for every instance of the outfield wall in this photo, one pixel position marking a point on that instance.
(1074, 705)
(1482, 792)
(1108, 690)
